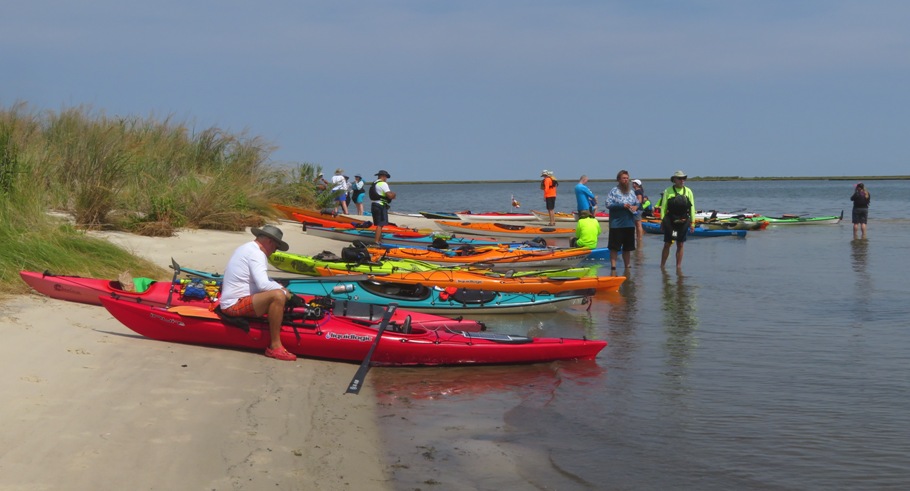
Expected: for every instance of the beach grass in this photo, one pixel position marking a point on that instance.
(139, 175)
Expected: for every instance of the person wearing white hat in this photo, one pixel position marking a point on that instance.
(340, 188)
(548, 184)
(320, 182)
(677, 216)
(247, 291)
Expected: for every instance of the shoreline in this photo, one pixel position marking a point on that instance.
(90, 404)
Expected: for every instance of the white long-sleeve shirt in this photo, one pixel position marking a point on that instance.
(246, 273)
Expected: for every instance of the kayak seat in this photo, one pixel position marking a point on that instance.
(397, 290)
(238, 322)
(465, 296)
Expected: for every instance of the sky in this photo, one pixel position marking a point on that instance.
(491, 90)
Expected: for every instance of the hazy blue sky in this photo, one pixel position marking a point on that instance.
(434, 90)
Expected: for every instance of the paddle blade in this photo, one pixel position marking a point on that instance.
(357, 381)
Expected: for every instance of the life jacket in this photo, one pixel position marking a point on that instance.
(374, 195)
(678, 206)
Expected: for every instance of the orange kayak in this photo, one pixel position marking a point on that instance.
(494, 256)
(506, 231)
(289, 211)
(501, 282)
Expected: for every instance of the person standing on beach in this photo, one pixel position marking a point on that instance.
(382, 198)
(320, 182)
(622, 205)
(340, 189)
(677, 212)
(548, 184)
(640, 196)
(357, 193)
(584, 198)
(247, 291)
(861, 199)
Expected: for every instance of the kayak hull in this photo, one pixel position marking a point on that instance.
(91, 290)
(338, 339)
(422, 298)
(506, 231)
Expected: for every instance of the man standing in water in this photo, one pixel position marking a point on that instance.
(382, 198)
(584, 198)
(677, 217)
(622, 204)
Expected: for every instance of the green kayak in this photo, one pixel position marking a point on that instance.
(328, 264)
(801, 220)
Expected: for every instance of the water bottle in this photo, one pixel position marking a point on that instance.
(346, 288)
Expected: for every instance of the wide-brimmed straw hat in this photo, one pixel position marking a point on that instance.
(273, 233)
(679, 174)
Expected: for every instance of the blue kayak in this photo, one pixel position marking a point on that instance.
(654, 228)
(442, 301)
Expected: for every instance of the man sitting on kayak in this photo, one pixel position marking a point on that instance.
(247, 291)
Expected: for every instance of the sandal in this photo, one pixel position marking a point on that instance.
(280, 354)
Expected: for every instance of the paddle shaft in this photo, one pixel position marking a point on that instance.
(357, 381)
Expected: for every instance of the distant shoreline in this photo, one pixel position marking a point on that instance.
(694, 178)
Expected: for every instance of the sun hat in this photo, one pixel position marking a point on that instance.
(273, 233)
(544, 173)
(358, 175)
(320, 174)
(339, 171)
(636, 181)
(679, 174)
(383, 173)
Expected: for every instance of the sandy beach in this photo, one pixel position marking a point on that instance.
(88, 404)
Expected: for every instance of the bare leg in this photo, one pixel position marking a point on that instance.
(552, 214)
(378, 234)
(626, 259)
(613, 256)
(855, 230)
(664, 254)
(679, 254)
(272, 303)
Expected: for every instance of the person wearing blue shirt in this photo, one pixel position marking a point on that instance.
(584, 198)
(622, 205)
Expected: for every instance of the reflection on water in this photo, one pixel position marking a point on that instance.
(862, 311)
(680, 321)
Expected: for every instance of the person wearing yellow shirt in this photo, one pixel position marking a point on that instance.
(586, 230)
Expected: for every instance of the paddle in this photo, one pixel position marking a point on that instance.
(357, 381)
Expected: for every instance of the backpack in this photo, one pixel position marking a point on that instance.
(374, 195)
(679, 205)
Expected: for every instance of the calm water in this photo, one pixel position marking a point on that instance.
(778, 361)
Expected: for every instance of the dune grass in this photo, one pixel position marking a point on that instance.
(140, 175)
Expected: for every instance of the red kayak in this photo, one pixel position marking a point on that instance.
(336, 338)
(90, 291)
